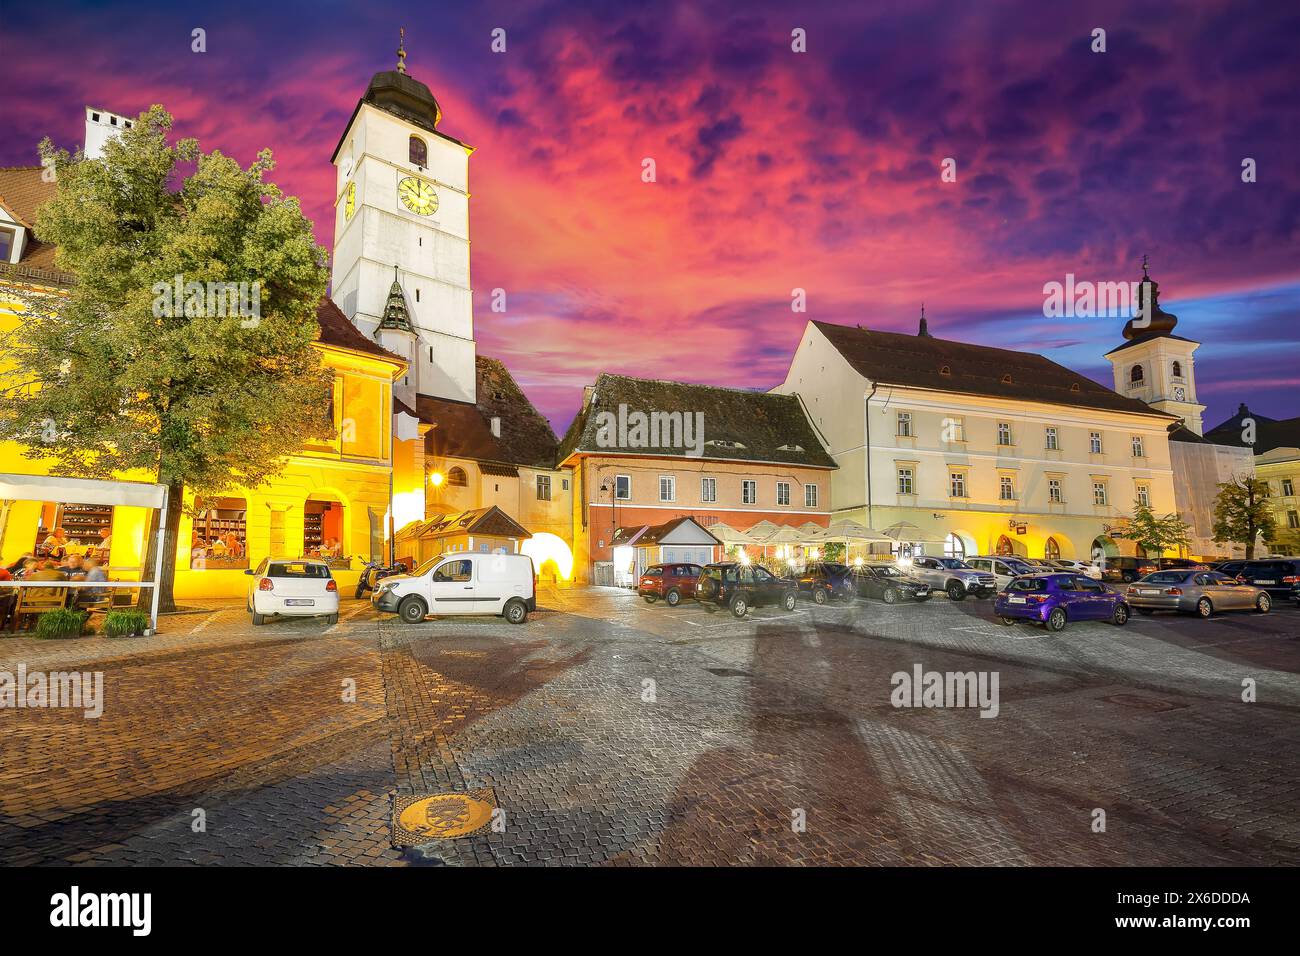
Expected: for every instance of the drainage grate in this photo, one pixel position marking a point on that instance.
(726, 672)
(441, 816)
(1153, 704)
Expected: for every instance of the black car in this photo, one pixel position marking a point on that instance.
(889, 584)
(1230, 568)
(827, 579)
(742, 586)
(1181, 564)
(1277, 576)
(1127, 570)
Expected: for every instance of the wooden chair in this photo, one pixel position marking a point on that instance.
(33, 602)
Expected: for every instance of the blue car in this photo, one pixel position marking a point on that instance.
(1055, 599)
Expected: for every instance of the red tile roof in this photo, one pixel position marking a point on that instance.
(336, 330)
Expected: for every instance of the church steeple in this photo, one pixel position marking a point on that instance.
(924, 331)
(395, 314)
(1149, 318)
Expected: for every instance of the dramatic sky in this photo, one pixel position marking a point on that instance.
(776, 170)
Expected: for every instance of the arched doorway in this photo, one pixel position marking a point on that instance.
(1103, 547)
(1004, 547)
(1051, 550)
(954, 547)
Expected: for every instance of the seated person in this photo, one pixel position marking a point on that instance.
(56, 543)
(331, 548)
(217, 548)
(94, 572)
(16, 568)
(233, 546)
(74, 567)
(47, 571)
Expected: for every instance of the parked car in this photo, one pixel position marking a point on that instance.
(1040, 565)
(1002, 568)
(1126, 569)
(742, 586)
(668, 582)
(824, 580)
(1231, 568)
(292, 587)
(1295, 593)
(1053, 600)
(889, 583)
(1181, 564)
(1192, 591)
(1078, 567)
(953, 576)
(465, 582)
(1277, 576)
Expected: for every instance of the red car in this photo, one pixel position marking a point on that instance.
(671, 582)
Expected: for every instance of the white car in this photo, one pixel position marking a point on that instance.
(292, 587)
(1079, 567)
(1005, 569)
(464, 582)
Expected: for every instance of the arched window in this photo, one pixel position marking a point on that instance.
(419, 152)
(1052, 550)
(1004, 546)
(1178, 369)
(456, 477)
(1137, 374)
(953, 547)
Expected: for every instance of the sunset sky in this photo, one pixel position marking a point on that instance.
(776, 170)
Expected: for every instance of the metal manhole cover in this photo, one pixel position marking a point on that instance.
(726, 672)
(1153, 704)
(441, 816)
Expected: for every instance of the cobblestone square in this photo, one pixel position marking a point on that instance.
(618, 733)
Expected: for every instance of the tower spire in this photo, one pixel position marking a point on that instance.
(924, 330)
(401, 50)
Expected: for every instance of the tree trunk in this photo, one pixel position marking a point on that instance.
(1250, 519)
(166, 597)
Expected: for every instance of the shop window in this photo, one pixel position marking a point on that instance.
(68, 529)
(1052, 550)
(1004, 548)
(322, 531)
(953, 547)
(220, 538)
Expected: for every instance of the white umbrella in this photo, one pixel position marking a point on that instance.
(901, 530)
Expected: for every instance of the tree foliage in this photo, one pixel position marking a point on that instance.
(106, 381)
(1241, 512)
(1156, 534)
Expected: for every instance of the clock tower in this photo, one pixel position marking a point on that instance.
(401, 225)
(1155, 365)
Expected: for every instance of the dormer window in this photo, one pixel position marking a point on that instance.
(724, 443)
(419, 152)
(8, 239)
(945, 370)
(790, 448)
(1074, 386)
(1136, 376)
(1006, 379)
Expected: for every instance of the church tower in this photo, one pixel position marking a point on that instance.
(1154, 365)
(401, 225)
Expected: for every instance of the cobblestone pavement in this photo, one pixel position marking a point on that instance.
(613, 732)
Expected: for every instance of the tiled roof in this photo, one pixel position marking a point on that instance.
(336, 330)
(490, 520)
(914, 361)
(656, 533)
(739, 425)
(464, 430)
(22, 192)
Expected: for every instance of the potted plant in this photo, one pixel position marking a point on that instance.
(128, 623)
(62, 623)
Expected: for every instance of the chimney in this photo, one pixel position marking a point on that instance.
(101, 126)
(496, 426)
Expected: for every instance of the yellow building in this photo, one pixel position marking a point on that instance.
(1276, 448)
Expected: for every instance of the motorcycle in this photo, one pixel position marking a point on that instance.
(373, 572)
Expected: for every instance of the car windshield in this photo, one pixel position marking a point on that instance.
(955, 563)
(832, 568)
(889, 571)
(428, 566)
(1165, 577)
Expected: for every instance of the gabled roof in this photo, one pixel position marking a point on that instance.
(739, 425)
(914, 361)
(659, 533)
(464, 430)
(336, 330)
(490, 520)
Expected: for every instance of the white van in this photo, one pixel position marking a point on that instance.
(465, 582)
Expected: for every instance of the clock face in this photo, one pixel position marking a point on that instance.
(350, 200)
(1179, 394)
(417, 196)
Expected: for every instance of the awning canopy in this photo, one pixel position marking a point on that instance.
(82, 491)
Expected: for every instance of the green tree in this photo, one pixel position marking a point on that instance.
(1155, 533)
(1241, 512)
(117, 376)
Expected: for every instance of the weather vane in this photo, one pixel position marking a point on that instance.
(401, 50)
(1144, 266)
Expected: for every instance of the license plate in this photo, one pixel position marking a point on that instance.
(1015, 600)
(1266, 582)
(1147, 591)
(298, 602)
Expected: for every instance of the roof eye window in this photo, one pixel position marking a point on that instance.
(1006, 379)
(945, 370)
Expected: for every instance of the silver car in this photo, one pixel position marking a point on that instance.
(1192, 591)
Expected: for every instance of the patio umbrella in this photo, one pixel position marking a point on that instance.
(901, 531)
